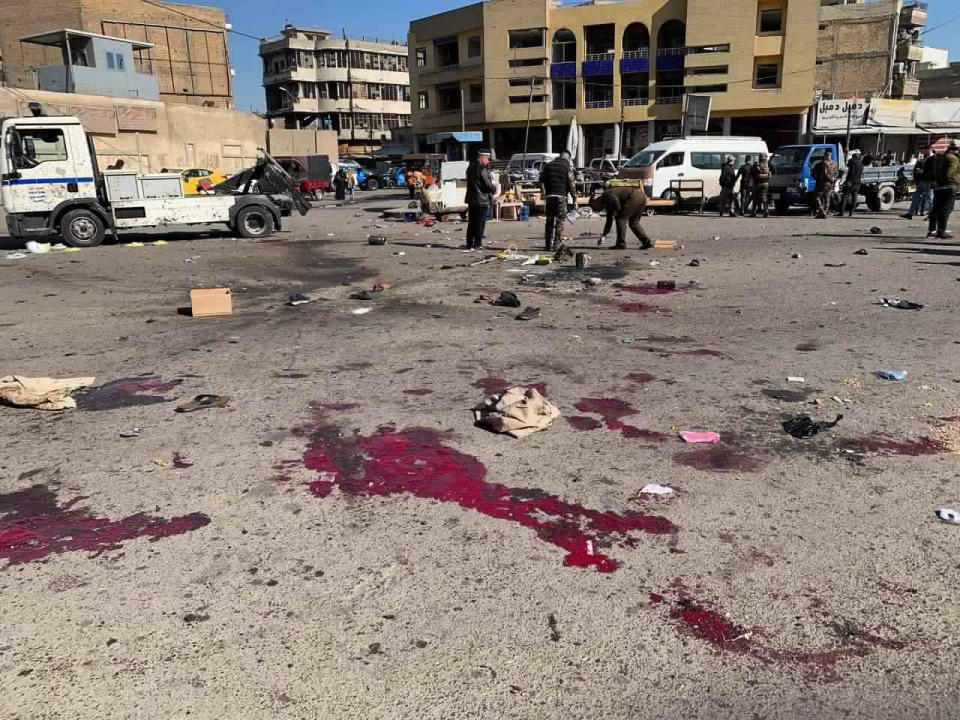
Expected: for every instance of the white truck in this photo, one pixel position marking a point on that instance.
(51, 185)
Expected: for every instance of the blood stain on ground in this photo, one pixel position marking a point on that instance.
(418, 392)
(641, 378)
(791, 396)
(339, 407)
(668, 339)
(125, 393)
(881, 444)
(704, 352)
(651, 289)
(33, 525)
(582, 423)
(498, 386)
(718, 458)
(612, 412)
(180, 462)
(416, 461)
(638, 308)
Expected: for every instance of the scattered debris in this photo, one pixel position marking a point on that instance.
(211, 303)
(861, 251)
(895, 375)
(666, 285)
(665, 245)
(901, 304)
(381, 287)
(654, 263)
(841, 401)
(656, 490)
(377, 240)
(16, 256)
(41, 393)
(834, 265)
(876, 231)
(135, 433)
(35, 248)
(193, 259)
(798, 380)
(361, 311)
(298, 299)
(531, 313)
(593, 282)
(694, 263)
(507, 299)
(362, 295)
(203, 402)
(582, 260)
(180, 462)
(161, 462)
(803, 426)
(700, 437)
(949, 515)
(518, 412)
(797, 256)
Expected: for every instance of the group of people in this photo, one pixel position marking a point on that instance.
(754, 193)
(938, 181)
(344, 183)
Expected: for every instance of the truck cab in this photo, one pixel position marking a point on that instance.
(791, 173)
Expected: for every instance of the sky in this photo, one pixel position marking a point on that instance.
(390, 20)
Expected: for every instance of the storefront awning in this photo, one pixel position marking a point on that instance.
(460, 137)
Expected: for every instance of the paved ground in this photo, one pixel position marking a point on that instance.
(345, 544)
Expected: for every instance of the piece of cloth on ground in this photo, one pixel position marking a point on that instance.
(518, 412)
(41, 393)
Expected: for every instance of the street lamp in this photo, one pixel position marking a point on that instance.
(293, 99)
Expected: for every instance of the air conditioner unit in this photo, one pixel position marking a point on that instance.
(899, 69)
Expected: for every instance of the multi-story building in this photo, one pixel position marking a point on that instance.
(621, 68)
(359, 88)
(870, 48)
(184, 46)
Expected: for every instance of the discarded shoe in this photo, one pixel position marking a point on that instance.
(666, 285)
(861, 252)
(694, 263)
(298, 299)
(803, 426)
(531, 313)
(377, 240)
(507, 299)
(362, 295)
(204, 402)
(876, 231)
(901, 304)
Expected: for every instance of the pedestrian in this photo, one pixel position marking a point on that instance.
(948, 184)
(760, 182)
(352, 185)
(557, 182)
(745, 176)
(728, 181)
(931, 170)
(923, 195)
(625, 206)
(340, 184)
(479, 189)
(825, 173)
(851, 184)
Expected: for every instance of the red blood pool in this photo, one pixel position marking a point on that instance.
(886, 445)
(711, 626)
(717, 458)
(613, 411)
(581, 423)
(638, 308)
(645, 289)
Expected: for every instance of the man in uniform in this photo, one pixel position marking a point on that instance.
(745, 176)
(479, 189)
(825, 173)
(761, 186)
(851, 184)
(625, 205)
(945, 196)
(728, 180)
(558, 182)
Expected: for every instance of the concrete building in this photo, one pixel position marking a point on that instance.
(188, 54)
(622, 68)
(941, 82)
(357, 87)
(934, 59)
(870, 48)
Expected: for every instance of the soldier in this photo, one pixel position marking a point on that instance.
(745, 176)
(945, 197)
(825, 173)
(558, 182)
(760, 182)
(851, 183)
(625, 205)
(728, 180)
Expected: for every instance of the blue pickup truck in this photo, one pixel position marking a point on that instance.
(792, 182)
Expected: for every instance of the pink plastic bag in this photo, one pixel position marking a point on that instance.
(700, 437)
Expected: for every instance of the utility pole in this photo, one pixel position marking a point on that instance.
(623, 113)
(353, 120)
(849, 125)
(463, 113)
(526, 137)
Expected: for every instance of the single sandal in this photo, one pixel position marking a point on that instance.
(202, 402)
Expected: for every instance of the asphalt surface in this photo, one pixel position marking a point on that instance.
(341, 542)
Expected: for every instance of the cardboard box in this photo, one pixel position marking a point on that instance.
(210, 303)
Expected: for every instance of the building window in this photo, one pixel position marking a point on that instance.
(524, 99)
(528, 38)
(423, 100)
(115, 61)
(564, 94)
(474, 46)
(421, 57)
(704, 89)
(708, 49)
(448, 98)
(711, 70)
(770, 21)
(767, 75)
(525, 82)
(527, 63)
(564, 46)
(476, 94)
(447, 52)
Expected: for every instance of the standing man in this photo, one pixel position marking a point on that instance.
(558, 182)
(945, 196)
(851, 183)
(625, 205)
(923, 196)
(745, 176)
(825, 173)
(479, 189)
(760, 183)
(728, 180)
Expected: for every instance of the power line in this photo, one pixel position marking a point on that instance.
(943, 24)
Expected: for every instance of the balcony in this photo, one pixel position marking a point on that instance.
(906, 87)
(598, 104)
(560, 71)
(598, 64)
(670, 97)
(914, 14)
(910, 51)
(635, 61)
(636, 102)
(670, 59)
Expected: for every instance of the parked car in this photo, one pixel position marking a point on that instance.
(527, 166)
(689, 158)
(353, 166)
(196, 179)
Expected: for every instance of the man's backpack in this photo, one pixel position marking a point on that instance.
(762, 172)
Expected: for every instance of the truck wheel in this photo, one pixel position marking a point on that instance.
(886, 198)
(873, 202)
(318, 195)
(254, 221)
(782, 207)
(82, 228)
(373, 184)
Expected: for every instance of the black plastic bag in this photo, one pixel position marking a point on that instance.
(507, 299)
(803, 426)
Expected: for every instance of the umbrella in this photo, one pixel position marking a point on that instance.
(573, 138)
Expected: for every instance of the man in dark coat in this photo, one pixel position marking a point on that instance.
(948, 185)
(625, 206)
(558, 182)
(825, 173)
(479, 189)
(340, 184)
(745, 176)
(728, 180)
(851, 184)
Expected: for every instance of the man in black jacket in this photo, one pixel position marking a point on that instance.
(625, 205)
(851, 184)
(728, 180)
(479, 189)
(558, 183)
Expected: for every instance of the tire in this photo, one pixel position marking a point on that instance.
(668, 195)
(318, 195)
(254, 221)
(373, 184)
(886, 198)
(782, 207)
(873, 202)
(82, 229)
(650, 212)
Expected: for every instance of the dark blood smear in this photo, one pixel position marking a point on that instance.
(33, 525)
(180, 462)
(703, 352)
(582, 423)
(645, 289)
(498, 386)
(613, 411)
(339, 407)
(638, 308)
(415, 461)
(641, 378)
(718, 458)
(419, 392)
(125, 393)
(885, 445)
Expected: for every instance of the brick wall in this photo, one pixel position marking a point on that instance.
(20, 19)
(853, 47)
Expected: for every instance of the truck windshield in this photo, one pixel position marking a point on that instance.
(644, 159)
(788, 159)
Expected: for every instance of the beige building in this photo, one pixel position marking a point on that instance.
(620, 68)
(357, 87)
(870, 48)
(188, 43)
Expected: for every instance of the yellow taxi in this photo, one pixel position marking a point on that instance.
(197, 179)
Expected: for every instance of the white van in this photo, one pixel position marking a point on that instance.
(528, 166)
(689, 158)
